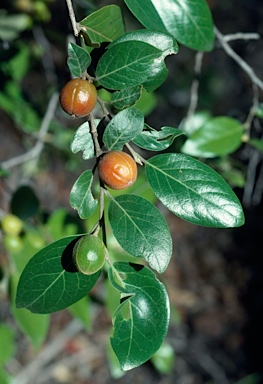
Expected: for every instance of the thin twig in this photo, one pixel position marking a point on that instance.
(241, 36)
(253, 109)
(72, 18)
(254, 161)
(230, 52)
(35, 152)
(137, 158)
(47, 57)
(195, 85)
(94, 133)
(104, 109)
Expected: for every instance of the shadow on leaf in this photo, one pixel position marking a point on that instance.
(67, 257)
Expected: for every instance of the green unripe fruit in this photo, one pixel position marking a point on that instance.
(89, 254)
(13, 243)
(12, 225)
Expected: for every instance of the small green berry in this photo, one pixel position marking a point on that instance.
(13, 243)
(11, 224)
(89, 254)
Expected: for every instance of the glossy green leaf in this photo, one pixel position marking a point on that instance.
(124, 127)
(157, 140)
(136, 58)
(82, 141)
(191, 124)
(126, 97)
(104, 25)
(218, 136)
(141, 321)
(114, 366)
(160, 40)
(81, 197)
(141, 230)
(50, 282)
(190, 22)
(193, 191)
(78, 60)
(126, 65)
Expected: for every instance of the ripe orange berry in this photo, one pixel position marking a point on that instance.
(117, 170)
(78, 97)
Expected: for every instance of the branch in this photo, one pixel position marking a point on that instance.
(72, 18)
(35, 152)
(48, 353)
(230, 52)
(195, 85)
(242, 36)
(94, 133)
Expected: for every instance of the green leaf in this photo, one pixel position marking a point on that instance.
(5, 378)
(12, 101)
(126, 97)
(141, 230)
(162, 41)
(190, 22)
(256, 143)
(147, 102)
(50, 282)
(126, 65)
(159, 40)
(193, 191)
(141, 321)
(114, 366)
(253, 378)
(164, 358)
(7, 346)
(104, 25)
(79, 59)
(124, 127)
(136, 58)
(191, 124)
(259, 111)
(19, 64)
(81, 197)
(218, 136)
(82, 141)
(56, 223)
(157, 140)
(33, 325)
(12, 25)
(81, 310)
